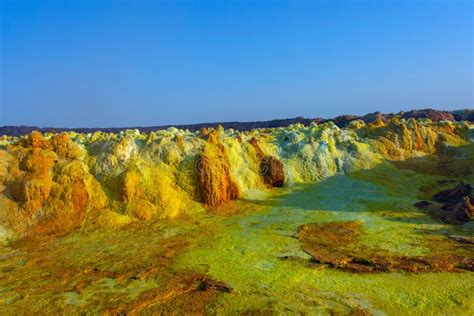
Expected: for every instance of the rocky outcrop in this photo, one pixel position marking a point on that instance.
(31, 181)
(49, 184)
(453, 195)
(272, 171)
(456, 205)
(462, 211)
(216, 183)
(270, 168)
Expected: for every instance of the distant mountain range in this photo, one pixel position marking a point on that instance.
(341, 121)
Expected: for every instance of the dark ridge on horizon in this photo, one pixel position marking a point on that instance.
(341, 121)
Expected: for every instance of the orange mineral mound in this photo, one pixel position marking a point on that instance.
(216, 182)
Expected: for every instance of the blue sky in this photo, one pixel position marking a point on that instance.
(127, 63)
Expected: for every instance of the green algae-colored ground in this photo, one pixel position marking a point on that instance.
(244, 253)
(94, 271)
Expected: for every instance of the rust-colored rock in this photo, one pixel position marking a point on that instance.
(272, 172)
(336, 245)
(80, 197)
(270, 168)
(216, 183)
(37, 162)
(62, 145)
(35, 140)
(32, 185)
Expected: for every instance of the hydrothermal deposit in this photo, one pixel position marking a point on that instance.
(73, 195)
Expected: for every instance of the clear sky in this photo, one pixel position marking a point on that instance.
(82, 63)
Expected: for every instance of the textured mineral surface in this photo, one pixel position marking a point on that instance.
(371, 218)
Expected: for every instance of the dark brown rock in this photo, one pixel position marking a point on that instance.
(453, 195)
(431, 114)
(270, 168)
(272, 172)
(457, 205)
(462, 211)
